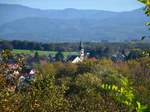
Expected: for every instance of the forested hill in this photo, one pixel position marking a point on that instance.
(23, 23)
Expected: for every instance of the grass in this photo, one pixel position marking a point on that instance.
(41, 53)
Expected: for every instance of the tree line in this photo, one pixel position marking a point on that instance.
(28, 45)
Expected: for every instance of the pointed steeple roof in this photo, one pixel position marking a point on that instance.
(81, 45)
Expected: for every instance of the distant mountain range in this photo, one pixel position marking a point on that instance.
(69, 25)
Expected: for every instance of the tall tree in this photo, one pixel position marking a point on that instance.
(36, 57)
(59, 56)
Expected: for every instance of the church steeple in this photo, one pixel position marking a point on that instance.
(81, 47)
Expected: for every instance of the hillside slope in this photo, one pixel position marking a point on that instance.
(24, 23)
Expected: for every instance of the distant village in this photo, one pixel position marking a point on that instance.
(120, 55)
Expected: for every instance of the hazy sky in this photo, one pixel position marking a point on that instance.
(112, 5)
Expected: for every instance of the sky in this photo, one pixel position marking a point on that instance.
(111, 5)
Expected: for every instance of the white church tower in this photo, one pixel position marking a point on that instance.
(81, 47)
(81, 58)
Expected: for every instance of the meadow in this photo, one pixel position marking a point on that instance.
(41, 53)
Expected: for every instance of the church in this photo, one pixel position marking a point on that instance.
(82, 54)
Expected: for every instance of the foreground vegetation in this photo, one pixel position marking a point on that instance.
(91, 86)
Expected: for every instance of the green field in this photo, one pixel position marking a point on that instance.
(41, 53)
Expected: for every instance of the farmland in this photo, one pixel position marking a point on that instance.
(41, 53)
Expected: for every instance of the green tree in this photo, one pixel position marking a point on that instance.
(59, 56)
(36, 57)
